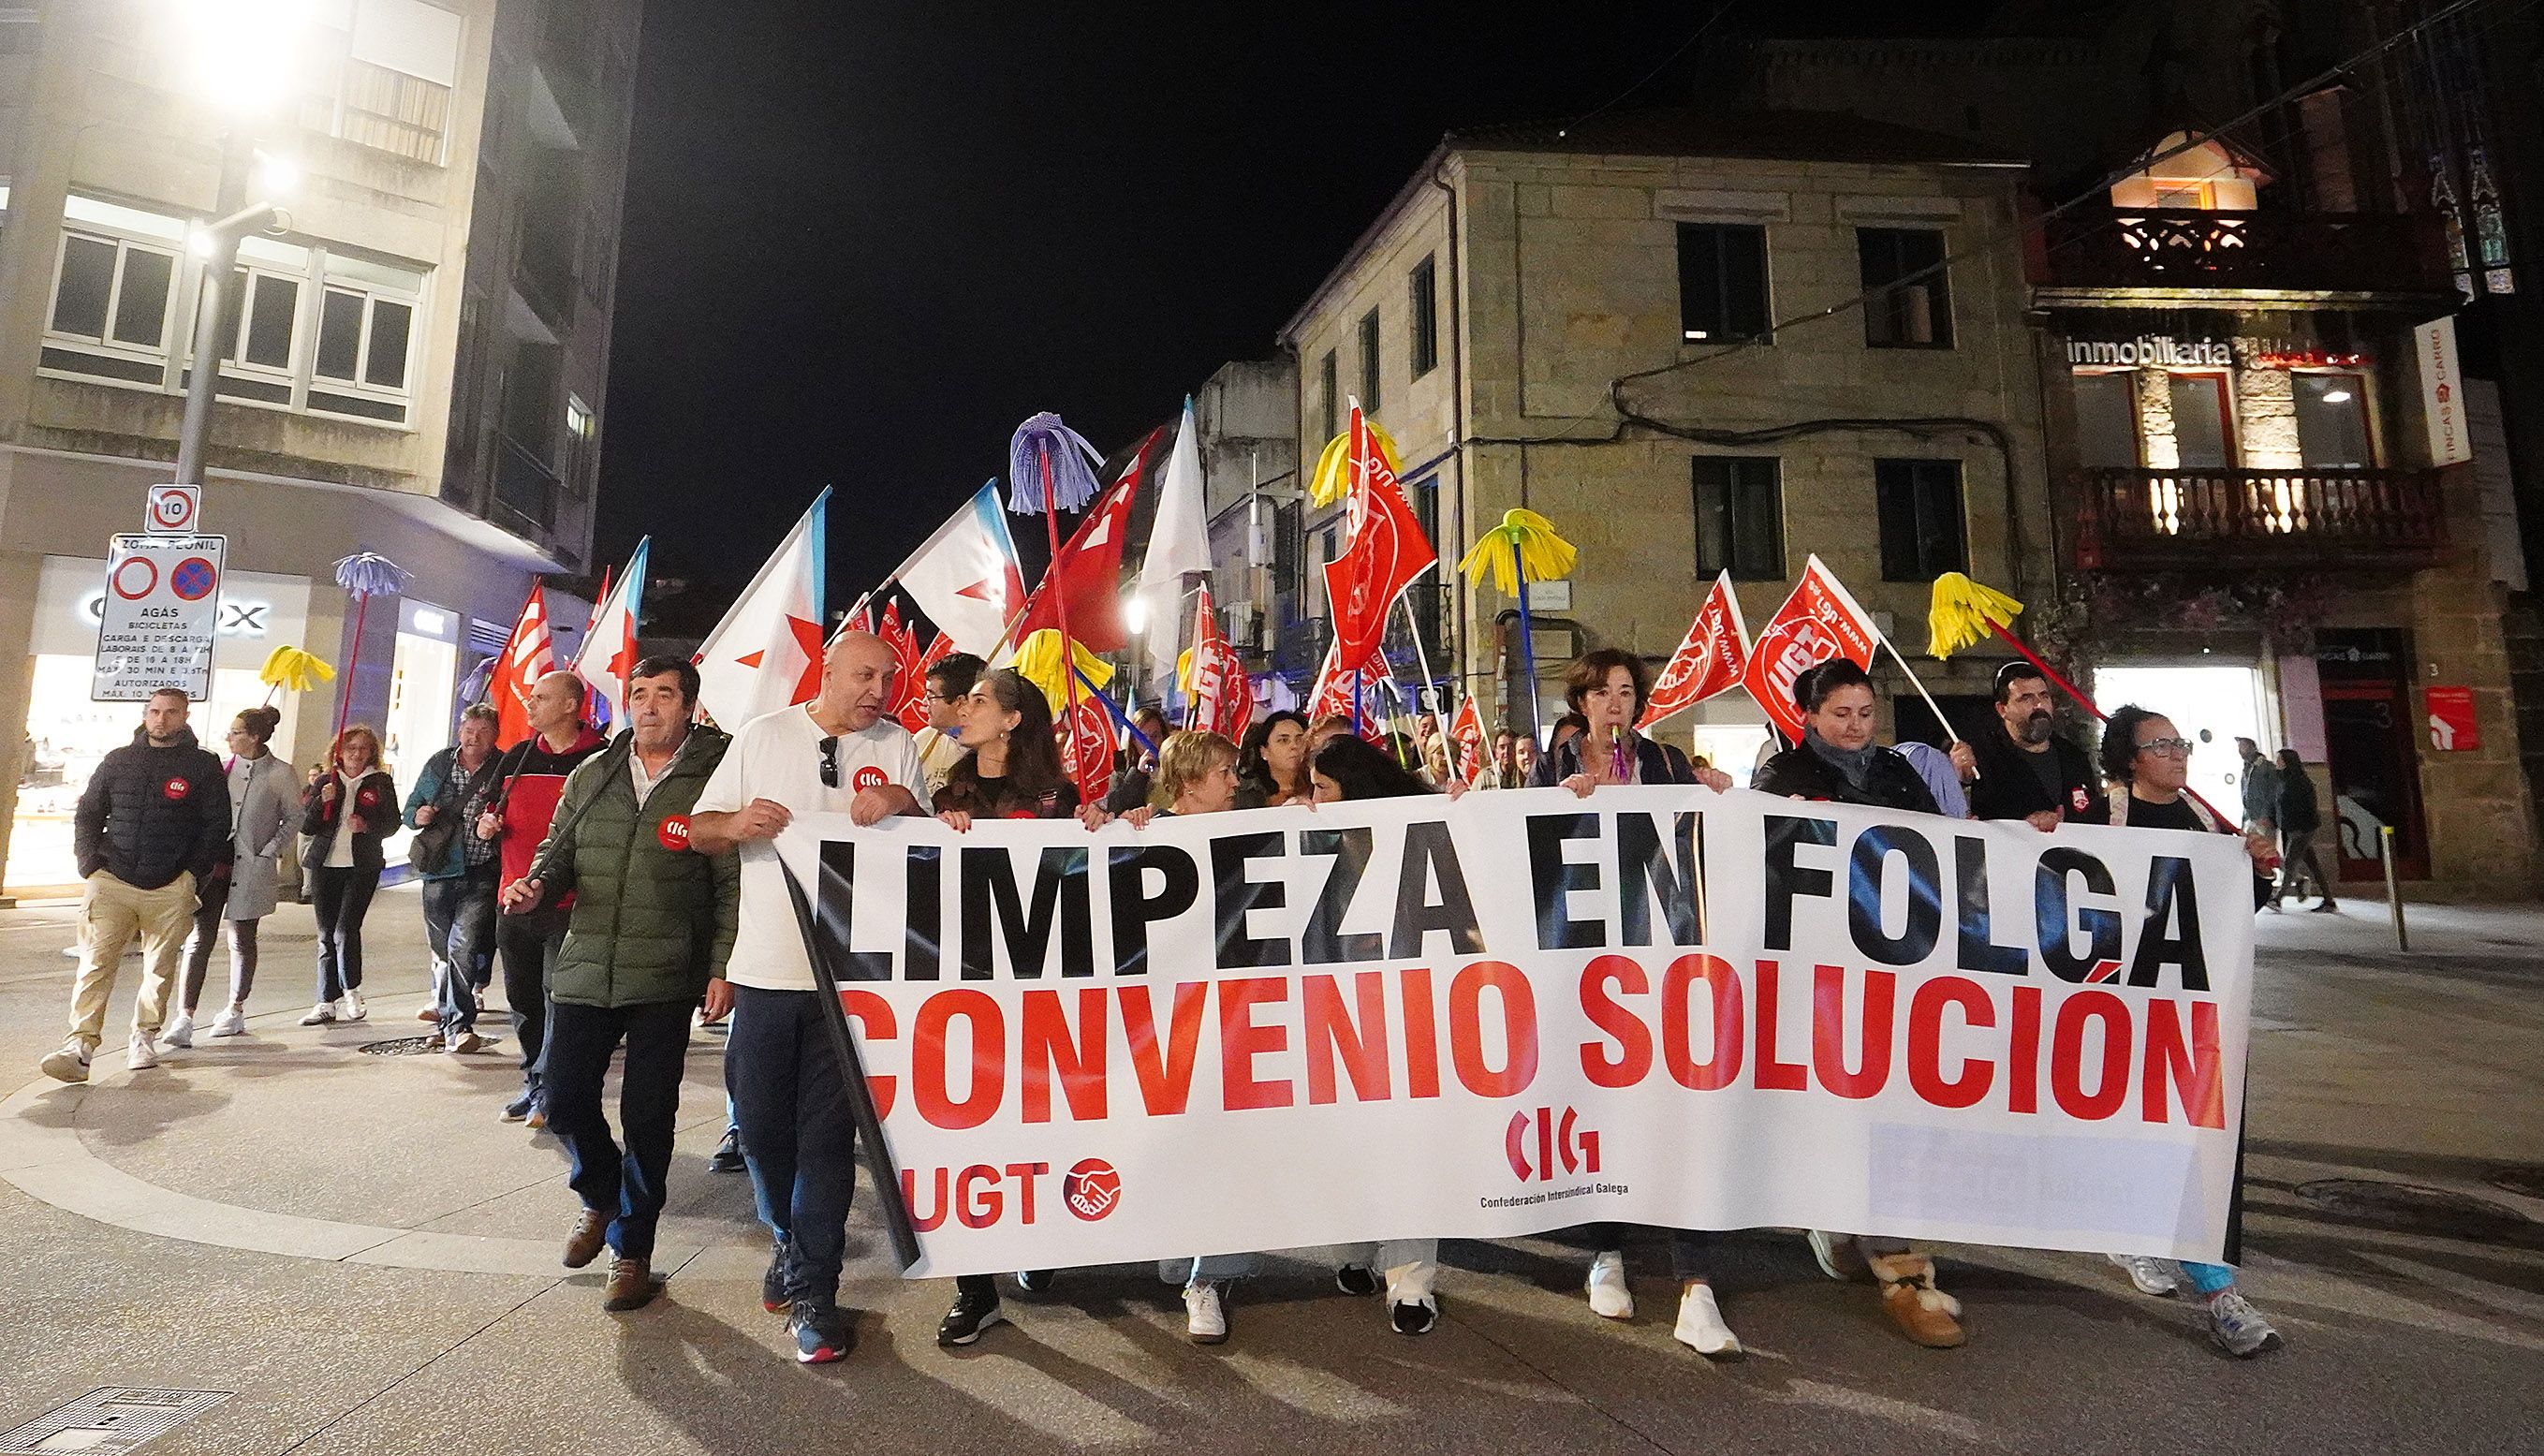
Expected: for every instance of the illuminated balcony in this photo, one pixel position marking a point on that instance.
(2233, 519)
(2173, 251)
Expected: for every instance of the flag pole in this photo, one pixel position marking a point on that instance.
(1060, 604)
(1422, 655)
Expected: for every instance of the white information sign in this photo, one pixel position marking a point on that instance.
(156, 623)
(174, 511)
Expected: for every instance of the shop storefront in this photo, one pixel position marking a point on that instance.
(66, 734)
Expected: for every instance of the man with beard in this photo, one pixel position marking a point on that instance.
(2026, 770)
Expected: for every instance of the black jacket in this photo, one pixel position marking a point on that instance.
(151, 814)
(2008, 788)
(2301, 812)
(1654, 763)
(374, 798)
(1798, 772)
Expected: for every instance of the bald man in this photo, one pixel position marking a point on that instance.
(528, 780)
(837, 753)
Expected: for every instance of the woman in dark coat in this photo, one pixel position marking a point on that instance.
(2300, 831)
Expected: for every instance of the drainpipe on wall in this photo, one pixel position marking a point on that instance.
(1463, 668)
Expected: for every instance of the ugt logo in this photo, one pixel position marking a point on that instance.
(1558, 1138)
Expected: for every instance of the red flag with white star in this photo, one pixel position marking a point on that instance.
(766, 653)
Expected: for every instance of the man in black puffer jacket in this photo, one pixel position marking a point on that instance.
(152, 825)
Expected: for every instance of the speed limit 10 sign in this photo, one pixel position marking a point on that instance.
(174, 511)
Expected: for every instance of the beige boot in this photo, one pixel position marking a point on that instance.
(1923, 1313)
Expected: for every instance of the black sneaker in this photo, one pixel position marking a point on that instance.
(1356, 1281)
(727, 1157)
(972, 1313)
(1413, 1318)
(1037, 1281)
(821, 1333)
(773, 1283)
(520, 1107)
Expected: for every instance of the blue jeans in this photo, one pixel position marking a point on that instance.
(626, 1184)
(791, 1102)
(459, 929)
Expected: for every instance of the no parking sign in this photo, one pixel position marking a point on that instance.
(155, 626)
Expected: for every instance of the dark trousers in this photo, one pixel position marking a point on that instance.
(343, 898)
(627, 1185)
(791, 1103)
(530, 944)
(1691, 1251)
(460, 928)
(199, 950)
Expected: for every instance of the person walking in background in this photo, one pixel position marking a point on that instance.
(2260, 789)
(1272, 766)
(152, 825)
(2148, 761)
(260, 804)
(949, 687)
(650, 931)
(837, 753)
(527, 780)
(346, 814)
(457, 867)
(1011, 770)
(2300, 820)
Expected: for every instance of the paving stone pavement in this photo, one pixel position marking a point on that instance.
(357, 1248)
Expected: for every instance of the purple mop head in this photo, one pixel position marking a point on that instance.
(1072, 463)
(369, 574)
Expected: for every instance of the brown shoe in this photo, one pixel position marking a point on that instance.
(590, 1232)
(632, 1285)
(1923, 1313)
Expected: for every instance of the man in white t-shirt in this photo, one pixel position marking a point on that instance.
(837, 753)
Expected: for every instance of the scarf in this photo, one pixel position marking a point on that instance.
(1856, 764)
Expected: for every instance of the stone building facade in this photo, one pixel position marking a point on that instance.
(1646, 331)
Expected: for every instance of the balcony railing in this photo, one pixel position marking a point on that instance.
(525, 489)
(2102, 247)
(2230, 519)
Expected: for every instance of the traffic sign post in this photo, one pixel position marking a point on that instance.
(174, 511)
(156, 623)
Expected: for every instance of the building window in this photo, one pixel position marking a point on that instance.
(1911, 303)
(111, 290)
(1739, 518)
(2106, 421)
(1919, 503)
(1422, 306)
(1329, 399)
(582, 432)
(385, 81)
(2332, 422)
(2203, 434)
(1723, 283)
(1369, 366)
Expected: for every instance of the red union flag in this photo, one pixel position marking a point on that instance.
(1467, 730)
(1819, 621)
(1387, 551)
(1221, 698)
(1089, 749)
(909, 702)
(1708, 662)
(528, 656)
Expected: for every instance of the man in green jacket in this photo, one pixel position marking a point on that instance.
(651, 927)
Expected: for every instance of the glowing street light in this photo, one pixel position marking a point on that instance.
(245, 54)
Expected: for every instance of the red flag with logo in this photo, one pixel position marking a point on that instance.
(1089, 569)
(1223, 699)
(1466, 731)
(908, 688)
(939, 649)
(1386, 552)
(529, 654)
(1333, 691)
(1709, 660)
(1089, 749)
(1819, 621)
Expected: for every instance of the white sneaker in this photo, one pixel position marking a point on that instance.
(350, 1007)
(1838, 1256)
(2151, 1275)
(1609, 1299)
(180, 1033)
(70, 1064)
(230, 1022)
(141, 1053)
(1700, 1323)
(1205, 1315)
(319, 1014)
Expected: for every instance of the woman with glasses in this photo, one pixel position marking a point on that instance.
(1010, 768)
(2145, 755)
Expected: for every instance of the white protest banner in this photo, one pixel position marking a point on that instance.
(1410, 1017)
(156, 621)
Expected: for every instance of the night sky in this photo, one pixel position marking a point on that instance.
(863, 241)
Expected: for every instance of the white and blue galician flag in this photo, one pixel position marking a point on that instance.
(966, 577)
